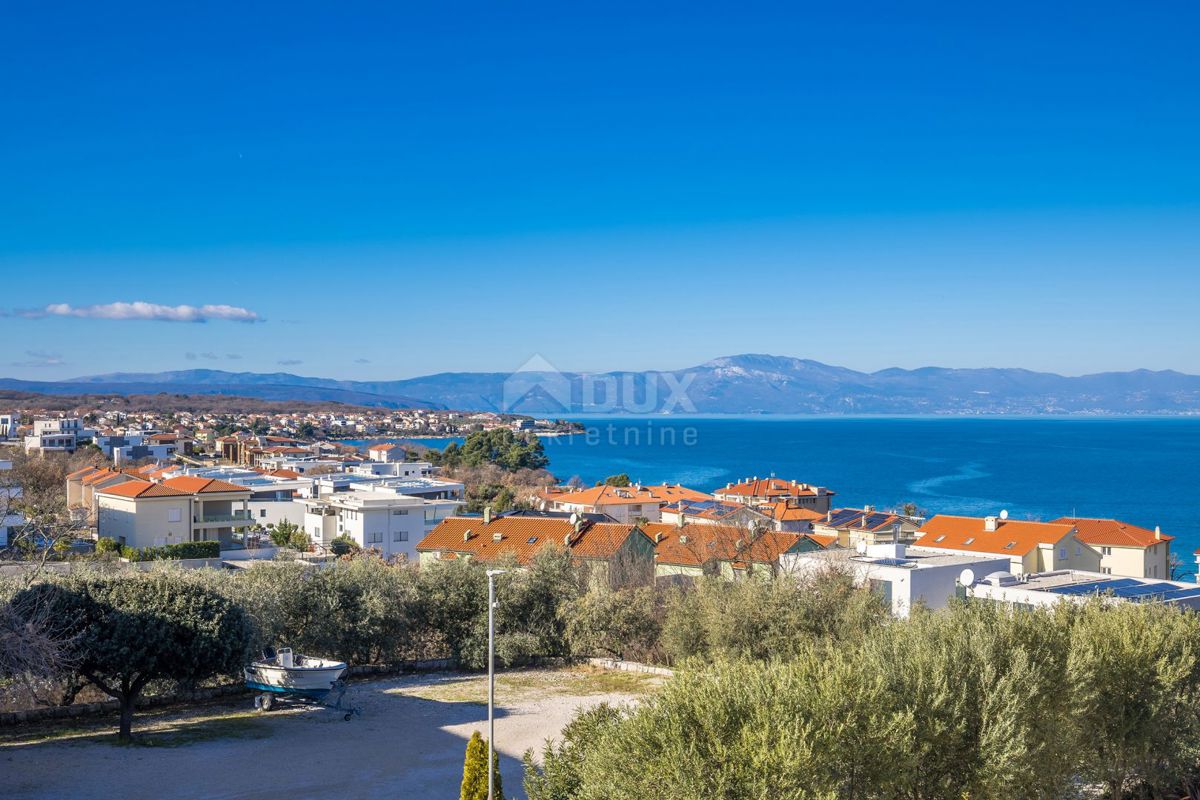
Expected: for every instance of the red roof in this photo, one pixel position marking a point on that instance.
(1011, 537)
(523, 537)
(138, 488)
(192, 485)
(694, 544)
(622, 495)
(768, 488)
(1113, 533)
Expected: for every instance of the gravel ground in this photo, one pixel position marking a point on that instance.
(408, 742)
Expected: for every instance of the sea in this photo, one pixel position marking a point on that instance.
(1144, 471)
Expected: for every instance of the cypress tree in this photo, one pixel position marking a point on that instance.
(474, 782)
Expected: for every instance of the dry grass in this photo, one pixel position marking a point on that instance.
(163, 728)
(517, 685)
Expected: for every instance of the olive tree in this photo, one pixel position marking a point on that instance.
(131, 630)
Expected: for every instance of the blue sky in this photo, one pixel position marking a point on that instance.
(392, 190)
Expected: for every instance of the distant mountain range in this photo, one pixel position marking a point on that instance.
(744, 384)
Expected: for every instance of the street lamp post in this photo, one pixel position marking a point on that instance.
(491, 576)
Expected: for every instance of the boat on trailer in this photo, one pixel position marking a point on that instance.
(288, 675)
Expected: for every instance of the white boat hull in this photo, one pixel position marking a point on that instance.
(308, 675)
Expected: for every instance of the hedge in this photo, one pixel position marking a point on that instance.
(173, 551)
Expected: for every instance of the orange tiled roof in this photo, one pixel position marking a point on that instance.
(768, 487)
(623, 495)
(79, 473)
(721, 542)
(139, 488)
(193, 485)
(382, 446)
(1111, 532)
(1011, 537)
(282, 473)
(784, 512)
(823, 539)
(522, 537)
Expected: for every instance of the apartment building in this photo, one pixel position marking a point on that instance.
(386, 521)
(903, 576)
(759, 491)
(140, 513)
(1124, 549)
(8, 425)
(691, 550)
(63, 435)
(625, 504)
(1030, 546)
(852, 526)
(613, 553)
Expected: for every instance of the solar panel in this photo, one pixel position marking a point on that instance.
(1182, 593)
(1144, 590)
(893, 562)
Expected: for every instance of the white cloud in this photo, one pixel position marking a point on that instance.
(141, 310)
(39, 358)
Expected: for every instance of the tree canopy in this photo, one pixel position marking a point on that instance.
(499, 446)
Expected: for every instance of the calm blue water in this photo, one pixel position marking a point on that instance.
(1144, 471)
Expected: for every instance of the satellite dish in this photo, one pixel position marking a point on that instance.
(967, 577)
(861, 547)
(1004, 513)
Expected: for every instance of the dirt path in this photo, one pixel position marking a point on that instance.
(407, 743)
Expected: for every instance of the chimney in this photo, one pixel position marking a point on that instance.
(829, 516)
(467, 535)
(869, 509)
(683, 539)
(679, 523)
(496, 537)
(578, 526)
(989, 524)
(658, 537)
(567, 539)
(487, 515)
(1158, 533)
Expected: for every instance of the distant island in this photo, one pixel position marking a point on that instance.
(742, 384)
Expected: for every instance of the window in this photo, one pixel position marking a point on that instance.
(532, 540)
(375, 538)
(174, 515)
(1078, 551)
(969, 540)
(399, 536)
(938, 539)
(1106, 551)
(262, 512)
(1106, 570)
(399, 512)
(1062, 554)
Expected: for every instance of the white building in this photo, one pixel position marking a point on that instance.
(386, 521)
(63, 435)
(10, 521)
(8, 425)
(271, 496)
(139, 513)
(1043, 589)
(903, 575)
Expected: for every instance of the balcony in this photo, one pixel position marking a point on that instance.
(236, 518)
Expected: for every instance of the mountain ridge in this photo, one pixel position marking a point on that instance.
(739, 384)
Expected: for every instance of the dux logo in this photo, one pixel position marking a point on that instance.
(540, 387)
(537, 385)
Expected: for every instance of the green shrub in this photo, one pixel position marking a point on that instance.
(171, 552)
(281, 534)
(299, 540)
(106, 544)
(343, 546)
(516, 649)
